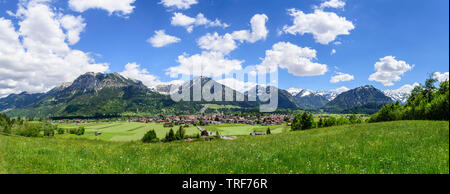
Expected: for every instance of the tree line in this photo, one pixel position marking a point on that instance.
(30, 128)
(426, 102)
(306, 121)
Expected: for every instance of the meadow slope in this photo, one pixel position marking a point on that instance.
(386, 148)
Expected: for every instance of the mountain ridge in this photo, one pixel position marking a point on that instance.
(115, 94)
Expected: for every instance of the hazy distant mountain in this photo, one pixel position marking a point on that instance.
(358, 97)
(314, 99)
(19, 100)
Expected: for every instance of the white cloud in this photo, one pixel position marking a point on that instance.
(297, 60)
(238, 85)
(133, 71)
(36, 57)
(121, 7)
(180, 19)
(389, 70)
(210, 64)
(333, 51)
(227, 43)
(341, 90)
(224, 44)
(161, 39)
(259, 30)
(341, 77)
(74, 26)
(337, 4)
(178, 4)
(441, 77)
(325, 26)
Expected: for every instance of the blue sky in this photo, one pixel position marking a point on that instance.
(413, 31)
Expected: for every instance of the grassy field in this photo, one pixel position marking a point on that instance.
(386, 148)
(121, 131)
(134, 131)
(242, 130)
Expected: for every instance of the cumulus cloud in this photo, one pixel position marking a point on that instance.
(441, 77)
(337, 4)
(161, 39)
(341, 77)
(178, 4)
(224, 44)
(227, 43)
(389, 70)
(210, 64)
(297, 60)
(134, 71)
(324, 26)
(74, 26)
(189, 23)
(36, 57)
(120, 7)
(258, 32)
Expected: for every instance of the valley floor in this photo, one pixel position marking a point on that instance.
(380, 148)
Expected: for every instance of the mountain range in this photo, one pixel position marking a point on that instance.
(97, 94)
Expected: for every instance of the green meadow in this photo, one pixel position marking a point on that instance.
(134, 131)
(121, 131)
(411, 147)
(242, 130)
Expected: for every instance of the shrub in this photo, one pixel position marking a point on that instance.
(29, 130)
(180, 133)
(353, 119)
(72, 131)
(60, 131)
(49, 132)
(218, 136)
(150, 137)
(320, 123)
(330, 121)
(296, 124)
(49, 129)
(170, 136)
(342, 121)
(303, 122)
(80, 131)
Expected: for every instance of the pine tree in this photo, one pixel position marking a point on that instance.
(170, 136)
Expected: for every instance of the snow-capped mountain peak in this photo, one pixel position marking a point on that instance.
(401, 94)
(294, 91)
